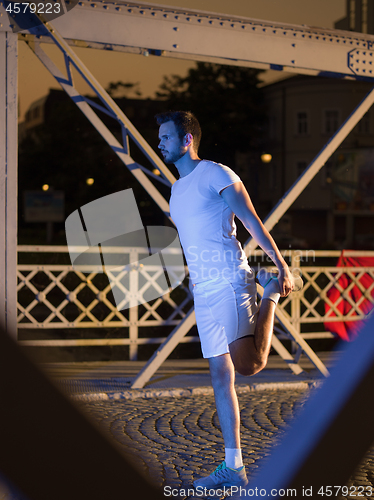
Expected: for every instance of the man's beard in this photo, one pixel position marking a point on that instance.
(174, 157)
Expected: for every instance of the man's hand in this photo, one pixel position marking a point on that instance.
(285, 280)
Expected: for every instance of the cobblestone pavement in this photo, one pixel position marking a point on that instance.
(174, 440)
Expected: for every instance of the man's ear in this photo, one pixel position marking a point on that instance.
(188, 139)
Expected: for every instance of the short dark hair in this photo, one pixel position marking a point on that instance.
(185, 122)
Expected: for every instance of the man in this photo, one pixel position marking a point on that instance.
(235, 333)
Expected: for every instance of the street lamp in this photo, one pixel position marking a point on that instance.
(266, 158)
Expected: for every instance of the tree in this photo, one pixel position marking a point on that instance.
(228, 103)
(123, 89)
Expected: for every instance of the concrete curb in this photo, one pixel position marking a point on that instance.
(191, 391)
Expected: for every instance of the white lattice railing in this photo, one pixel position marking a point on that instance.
(54, 296)
(57, 296)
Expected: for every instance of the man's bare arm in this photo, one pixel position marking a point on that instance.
(237, 198)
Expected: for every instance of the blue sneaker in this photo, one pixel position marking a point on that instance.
(223, 476)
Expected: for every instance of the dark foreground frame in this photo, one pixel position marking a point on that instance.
(49, 450)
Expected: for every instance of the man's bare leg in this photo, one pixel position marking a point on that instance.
(232, 472)
(250, 354)
(222, 373)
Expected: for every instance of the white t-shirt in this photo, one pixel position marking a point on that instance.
(206, 224)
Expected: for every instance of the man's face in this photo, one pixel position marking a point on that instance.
(170, 145)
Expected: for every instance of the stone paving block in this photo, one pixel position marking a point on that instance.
(175, 440)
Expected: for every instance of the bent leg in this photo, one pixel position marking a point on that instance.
(222, 373)
(250, 354)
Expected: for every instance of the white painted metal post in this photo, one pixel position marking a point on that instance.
(295, 299)
(134, 309)
(8, 182)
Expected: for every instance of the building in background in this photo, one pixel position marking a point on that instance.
(359, 17)
(337, 208)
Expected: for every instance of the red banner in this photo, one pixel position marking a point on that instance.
(348, 330)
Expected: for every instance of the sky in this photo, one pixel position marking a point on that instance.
(34, 81)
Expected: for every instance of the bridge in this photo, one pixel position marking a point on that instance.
(159, 31)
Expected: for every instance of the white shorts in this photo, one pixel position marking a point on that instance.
(225, 312)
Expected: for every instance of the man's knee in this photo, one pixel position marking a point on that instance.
(246, 358)
(222, 378)
(222, 371)
(251, 367)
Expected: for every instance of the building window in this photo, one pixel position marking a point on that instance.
(302, 123)
(331, 121)
(363, 127)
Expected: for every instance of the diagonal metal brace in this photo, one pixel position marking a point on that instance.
(112, 109)
(165, 349)
(287, 325)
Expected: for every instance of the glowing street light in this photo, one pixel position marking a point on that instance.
(45, 187)
(266, 158)
(90, 181)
